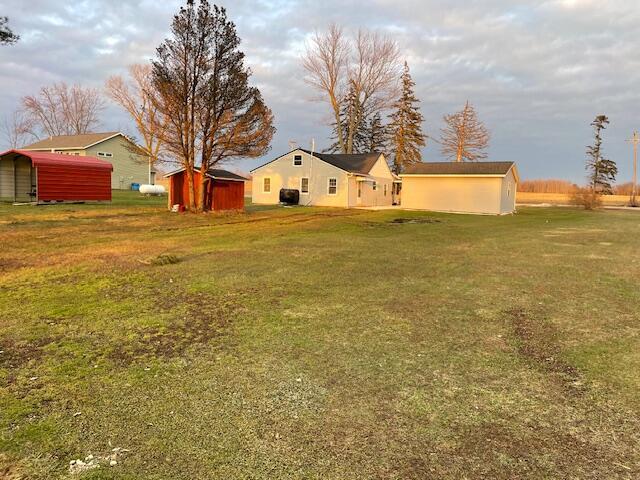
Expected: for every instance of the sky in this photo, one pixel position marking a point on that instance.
(538, 72)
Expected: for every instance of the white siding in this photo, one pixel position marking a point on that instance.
(452, 194)
(508, 193)
(381, 174)
(23, 180)
(6, 180)
(284, 174)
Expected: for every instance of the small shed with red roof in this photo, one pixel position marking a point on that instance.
(42, 177)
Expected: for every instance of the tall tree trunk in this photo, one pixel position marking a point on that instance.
(340, 133)
(203, 191)
(192, 193)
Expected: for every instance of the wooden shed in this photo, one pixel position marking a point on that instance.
(224, 190)
(43, 177)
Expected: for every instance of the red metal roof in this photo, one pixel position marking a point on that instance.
(58, 159)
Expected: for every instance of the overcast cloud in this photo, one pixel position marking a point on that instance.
(538, 71)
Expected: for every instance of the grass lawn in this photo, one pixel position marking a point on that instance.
(318, 343)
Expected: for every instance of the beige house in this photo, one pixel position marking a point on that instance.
(475, 187)
(130, 164)
(326, 179)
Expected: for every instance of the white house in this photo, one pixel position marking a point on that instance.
(463, 187)
(332, 180)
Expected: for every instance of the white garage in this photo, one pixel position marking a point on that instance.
(487, 188)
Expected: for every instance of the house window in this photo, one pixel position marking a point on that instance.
(304, 185)
(297, 160)
(333, 186)
(359, 189)
(266, 185)
(105, 154)
(385, 189)
(374, 186)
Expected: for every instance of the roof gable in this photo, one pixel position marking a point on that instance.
(359, 163)
(349, 162)
(72, 142)
(460, 168)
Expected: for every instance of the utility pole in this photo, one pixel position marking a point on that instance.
(635, 139)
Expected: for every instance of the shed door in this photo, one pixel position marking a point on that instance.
(177, 185)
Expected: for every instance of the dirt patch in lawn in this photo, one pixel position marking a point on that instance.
(16, 354)
(537, 342)
(10, 469)
(401, 221)
(200, 318)
(7, 264)
(493, 451)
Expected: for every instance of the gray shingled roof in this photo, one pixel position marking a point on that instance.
(224, 174)
(353, 163)
(70, 141)
(459, 168)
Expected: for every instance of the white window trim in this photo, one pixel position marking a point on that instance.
(263, 181)
(294, 160)
(301, 192)
(329, 186)
(105, 154)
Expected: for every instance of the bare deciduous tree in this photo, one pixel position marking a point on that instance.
(464, 138)
(362, 71)
(326, 62)
(64, 110)
(17, 130)
(135, 96)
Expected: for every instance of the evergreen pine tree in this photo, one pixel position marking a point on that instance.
(406, 126)
(377, 134)
(351, 107)
(7, 37)
(602, 171)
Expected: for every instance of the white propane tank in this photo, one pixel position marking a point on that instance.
(152, 189)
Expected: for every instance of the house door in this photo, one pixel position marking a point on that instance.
(396, 193)
(359, 195)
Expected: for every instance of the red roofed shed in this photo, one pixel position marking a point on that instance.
(44, 177)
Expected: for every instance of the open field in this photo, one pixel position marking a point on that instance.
(565, 199)
(318, 343)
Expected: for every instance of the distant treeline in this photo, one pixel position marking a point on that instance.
(623, 189)
(564, 186)
(547, 186)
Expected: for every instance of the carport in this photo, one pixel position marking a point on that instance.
(42, 177)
